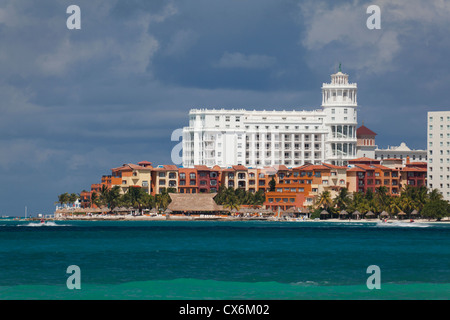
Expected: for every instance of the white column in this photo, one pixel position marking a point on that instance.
(302, 147)
(322, 148)
(262, 152)
(272, 143)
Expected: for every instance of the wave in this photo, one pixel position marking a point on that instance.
(43, 224)
(402, 224)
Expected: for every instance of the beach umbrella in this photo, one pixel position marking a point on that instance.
(414, 212)
(324, 213)
(384, 214)
(343, 213)
(370, 214)
(401, 214)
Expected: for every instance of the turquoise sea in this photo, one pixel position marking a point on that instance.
(223, 260)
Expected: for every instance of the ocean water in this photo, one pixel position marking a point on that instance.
(223, 260)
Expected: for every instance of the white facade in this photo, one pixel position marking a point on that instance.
(266, 138)
(401, 152)
(438, 140)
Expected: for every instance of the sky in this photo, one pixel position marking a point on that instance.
(76, 103)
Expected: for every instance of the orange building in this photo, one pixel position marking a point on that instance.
(164, 177)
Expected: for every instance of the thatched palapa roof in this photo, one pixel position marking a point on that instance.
(370, 214)
(194, 202)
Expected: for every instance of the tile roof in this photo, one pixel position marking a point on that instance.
(130, 167)
(364, 131)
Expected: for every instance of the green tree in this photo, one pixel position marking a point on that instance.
(94, 199)
(435, 209)
(342, 199)
(63, 199)
(272, 184)
(163, 199)
(324, 200)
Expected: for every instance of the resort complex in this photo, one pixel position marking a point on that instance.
(280, 161)
(273, 188)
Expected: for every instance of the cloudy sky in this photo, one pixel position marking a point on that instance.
(76, 103)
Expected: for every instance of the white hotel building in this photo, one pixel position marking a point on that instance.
(267, 138)
(439, 152)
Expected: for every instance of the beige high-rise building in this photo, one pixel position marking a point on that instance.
(438, 141)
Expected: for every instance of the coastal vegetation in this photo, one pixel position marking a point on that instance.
(420, 201)
(232, 198)
(138, 199)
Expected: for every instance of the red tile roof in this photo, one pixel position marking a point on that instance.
(355, 169)
(364, 131)
(379, 166)
(332, 166)
(130, 167)
(202, 168)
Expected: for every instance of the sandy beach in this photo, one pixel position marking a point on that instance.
(172, 217)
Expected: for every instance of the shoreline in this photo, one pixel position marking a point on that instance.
(223, 218)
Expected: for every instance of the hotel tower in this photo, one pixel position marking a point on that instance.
(268, 138)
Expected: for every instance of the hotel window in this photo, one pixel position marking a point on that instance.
(161, 174)
(217, 118)
(333, 111)
(192, 175)
(124, 181)
(238, 119)
(227, 118)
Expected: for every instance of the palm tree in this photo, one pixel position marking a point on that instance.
(394, 206)
(325, 200)
(94, 199)
(342, 199)
(163, 199)
(434, 195)
(73, 197)
(63, 199)
(382, 198)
